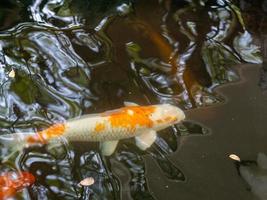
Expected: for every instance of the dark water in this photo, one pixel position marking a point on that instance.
(77, 57)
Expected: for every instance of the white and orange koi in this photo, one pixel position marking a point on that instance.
(109, 127)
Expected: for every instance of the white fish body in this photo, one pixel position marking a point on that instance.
(133, 120)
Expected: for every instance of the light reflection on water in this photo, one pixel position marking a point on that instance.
(76, 57)
(255, 174)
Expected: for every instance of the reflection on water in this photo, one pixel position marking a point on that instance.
(254, 15)
(255, 174)
(76, 57)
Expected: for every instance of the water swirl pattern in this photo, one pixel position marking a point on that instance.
(60, 59)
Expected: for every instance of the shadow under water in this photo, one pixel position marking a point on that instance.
(61, 59)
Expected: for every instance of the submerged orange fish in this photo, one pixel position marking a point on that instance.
(167, 52)
(12, 182)
(109, 127)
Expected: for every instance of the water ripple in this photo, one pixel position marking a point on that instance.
(76, 57)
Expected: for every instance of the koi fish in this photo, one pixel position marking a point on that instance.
(108, 127)
(12, 182)
(166, 51)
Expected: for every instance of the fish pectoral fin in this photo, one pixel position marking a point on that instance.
(146, 139)
(128, 103)
(108, 147)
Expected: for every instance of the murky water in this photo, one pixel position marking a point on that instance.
(61, 59)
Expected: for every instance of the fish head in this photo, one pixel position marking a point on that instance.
(166, 115)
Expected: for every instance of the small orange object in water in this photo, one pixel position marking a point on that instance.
(12, 182)
(132, 116)
(44, 135)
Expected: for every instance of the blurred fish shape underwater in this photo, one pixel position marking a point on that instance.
(108, 128)
(13, 182)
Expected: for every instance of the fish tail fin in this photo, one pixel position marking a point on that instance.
(11, 144)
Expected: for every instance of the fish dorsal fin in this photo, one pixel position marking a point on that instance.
(108, 147)
(146, 139)
(128, 103)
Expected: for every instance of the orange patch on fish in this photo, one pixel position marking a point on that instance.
(167, 119)
(170, 118)
(44, 135)
(99, 127)
(131, 117)
(159, 121)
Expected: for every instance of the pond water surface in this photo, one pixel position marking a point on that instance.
(60, 59)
